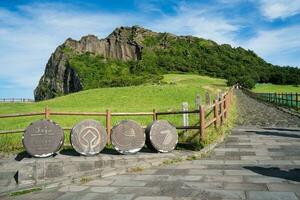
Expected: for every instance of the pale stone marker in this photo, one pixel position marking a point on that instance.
(185, 116)
(197, 101)
(127, 137)
(161, 136)
(207, 99)
(88, 137)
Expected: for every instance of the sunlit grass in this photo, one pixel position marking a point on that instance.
(271, 88)
(169, 95)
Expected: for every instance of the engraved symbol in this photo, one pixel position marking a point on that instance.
(90, 136)
(130, 133)
(168, 136)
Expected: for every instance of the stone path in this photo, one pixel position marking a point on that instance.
(253, 163)
(253, 113)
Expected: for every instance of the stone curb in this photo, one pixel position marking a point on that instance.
(117, 165)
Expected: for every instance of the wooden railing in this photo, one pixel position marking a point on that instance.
(16, 100)
(220, 109)
(291, 100)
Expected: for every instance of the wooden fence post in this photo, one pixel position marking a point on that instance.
(216, 113)
(225, 107)
(154, 115)
(202, 122)
(47, 113)
(108, 125)
(221, 109)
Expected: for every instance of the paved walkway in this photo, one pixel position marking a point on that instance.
(253, 163)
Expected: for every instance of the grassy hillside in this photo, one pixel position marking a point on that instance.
(168, 95)
(270, 88)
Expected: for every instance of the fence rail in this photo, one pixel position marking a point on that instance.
(16, 100)
(291, 100)
(220, 109)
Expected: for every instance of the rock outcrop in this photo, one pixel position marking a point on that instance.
(123, 43)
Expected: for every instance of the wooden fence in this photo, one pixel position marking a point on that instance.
(219, 109)
(291, 100)
(16, 100)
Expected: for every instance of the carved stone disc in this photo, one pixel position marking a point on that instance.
(161, 136)
(127, 137)
(43, 138)
(88, 137)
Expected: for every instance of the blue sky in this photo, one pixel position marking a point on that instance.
(31, 30)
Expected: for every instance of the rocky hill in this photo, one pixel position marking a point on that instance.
(134, 55)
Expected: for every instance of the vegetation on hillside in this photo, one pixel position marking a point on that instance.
(165, 53)
(96, 72)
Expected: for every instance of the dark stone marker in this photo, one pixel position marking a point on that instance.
(43, 138)
(207, 98)
(161, 136)
(88, 137)
(127, 137)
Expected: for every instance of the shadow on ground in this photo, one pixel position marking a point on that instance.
(277, 132)
(292, 174)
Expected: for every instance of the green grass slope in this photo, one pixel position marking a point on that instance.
(168, 95)
(272, 88)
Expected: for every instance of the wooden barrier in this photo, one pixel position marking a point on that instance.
(16, 100)
(219, 109)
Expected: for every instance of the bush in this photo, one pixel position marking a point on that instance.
(247, 82)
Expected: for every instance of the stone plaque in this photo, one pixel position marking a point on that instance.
(127, 137)
(207, 98)
(88, 137)
(161, 136)
(43, 138)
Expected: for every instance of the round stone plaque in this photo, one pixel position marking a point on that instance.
(88, 137)
(127, 137)
(43, 138)
(161, 136)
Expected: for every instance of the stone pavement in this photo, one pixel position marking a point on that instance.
(253, 163)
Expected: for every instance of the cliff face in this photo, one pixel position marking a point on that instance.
(59, 78)
(93, 63)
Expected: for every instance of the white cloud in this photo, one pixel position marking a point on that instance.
(273, 9)
(29, 35)
(28, 40)
(199, 21)
(278, 46)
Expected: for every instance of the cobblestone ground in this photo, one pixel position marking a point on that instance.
(253, 163)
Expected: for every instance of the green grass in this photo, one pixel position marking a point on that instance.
(167, 96)
(17, 193)
(272, 88)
